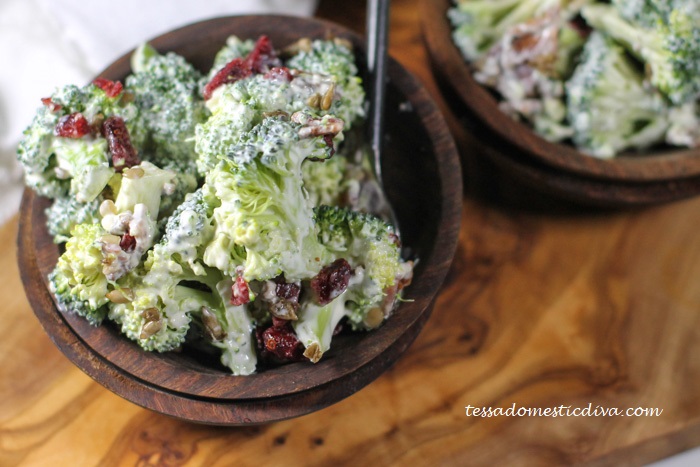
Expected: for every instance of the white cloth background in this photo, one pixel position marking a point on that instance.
(49, 43)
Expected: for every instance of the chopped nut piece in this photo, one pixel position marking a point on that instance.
(313, 352)
(374, 318)
(212, 325)
(314, 101)
(150, 328)
(124, 295)
(327, 100)
(107, 207)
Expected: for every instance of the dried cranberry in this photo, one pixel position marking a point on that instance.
(234, 70)
(72, 126)
(117, 135)
(127, 243)
(240, 295)
(283, 343)
(279, 73)
(279, 322)
(259, 60)
(111, 88)
(53, 107)
(328, 139)
(287, 290)
(331, 281)
(263, 56)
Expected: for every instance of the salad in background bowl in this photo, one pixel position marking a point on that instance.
(608, 77)
(220, 220)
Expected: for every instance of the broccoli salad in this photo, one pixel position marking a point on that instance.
(219, 210)
(606, 76)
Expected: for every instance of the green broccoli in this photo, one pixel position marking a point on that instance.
(51, 161)
(173, 282)
(132, 217)
(324, 181)
(319, 88)
(666, 39)
(609, 107)
(166, 90)
(66, 213)
(77, 282)
(265, 224)
(371, 249)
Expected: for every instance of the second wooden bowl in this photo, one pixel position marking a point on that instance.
(628, 179)
(190, 386)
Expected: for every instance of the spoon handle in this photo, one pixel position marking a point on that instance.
(377, 45)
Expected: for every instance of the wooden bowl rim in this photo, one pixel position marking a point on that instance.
(666, 165)
(67, 331)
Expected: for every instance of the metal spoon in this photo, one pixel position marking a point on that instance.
(377, 31)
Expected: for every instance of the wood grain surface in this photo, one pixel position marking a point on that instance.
(547, 304)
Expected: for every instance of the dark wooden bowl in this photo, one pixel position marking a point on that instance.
(192, 386)
(627, 179)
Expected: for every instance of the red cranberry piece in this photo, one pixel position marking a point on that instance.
(72, 126)
(111, 88)
(53, 107)
(263, 56)
(328, 139)
(120, 147)
(127, 243)
(240, 295)
(331, 281)
(234, 71)
(287, 290)
(283, 343)
(259, 60)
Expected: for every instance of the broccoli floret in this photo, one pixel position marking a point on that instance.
(230, 329)
(609, 107)
(265, 223)
(77, 282)
(667, 40)
(321, 85)
(685, 125)
(333, 58)
(132, 217)
(51, 161)
(324, 180)
(166, 90)
(371, 248)
(361, 239)
(173, 283)
(66, 213)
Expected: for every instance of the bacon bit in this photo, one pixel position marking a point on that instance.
(53, 107)
(111, 88)
(127, 243)
(117, 135)
(260, 60)
(240, 294)
(282, 343)
(74, 126)
(279, 73)
(331, 281)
